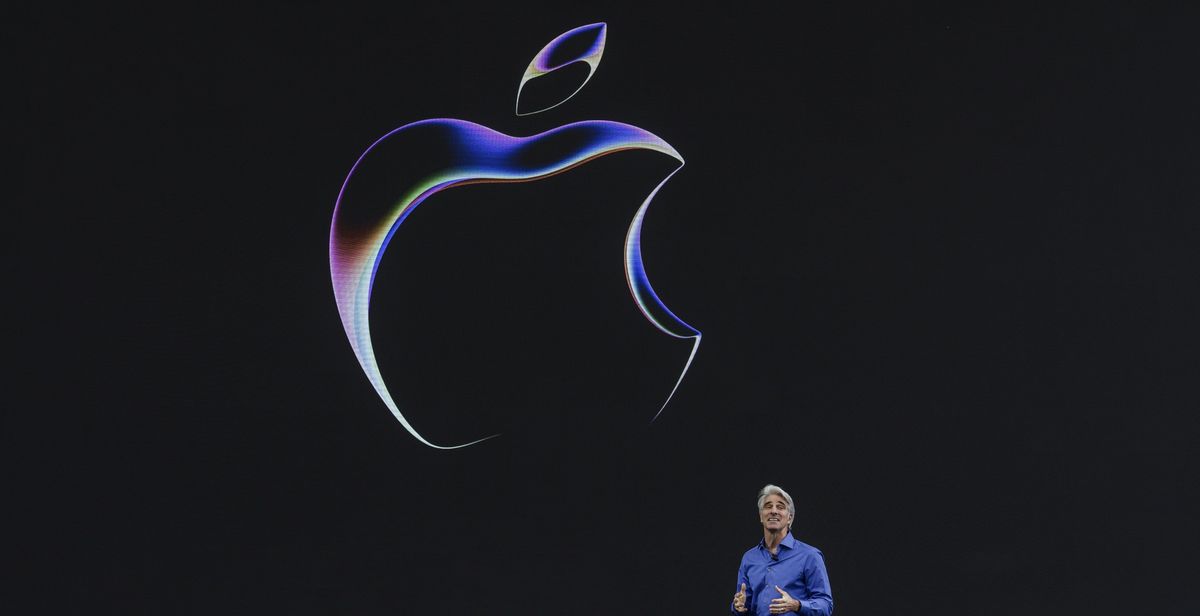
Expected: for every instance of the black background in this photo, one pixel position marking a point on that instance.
(943, 259)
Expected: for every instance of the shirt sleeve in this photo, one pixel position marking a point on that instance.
(742, 579)
(820, 598)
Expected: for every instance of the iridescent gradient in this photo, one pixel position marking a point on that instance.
(475, 154)
(421, 159)
(541, 62)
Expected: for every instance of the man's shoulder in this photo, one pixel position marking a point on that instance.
(804, 548)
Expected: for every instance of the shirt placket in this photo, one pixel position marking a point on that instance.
(769, 587)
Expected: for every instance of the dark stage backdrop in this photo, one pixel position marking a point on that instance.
(944, 261)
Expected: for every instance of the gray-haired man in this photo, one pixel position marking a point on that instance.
(781, 574)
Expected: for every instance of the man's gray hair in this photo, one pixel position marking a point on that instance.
(770, 489)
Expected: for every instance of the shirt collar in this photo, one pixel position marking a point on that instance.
(788, 542)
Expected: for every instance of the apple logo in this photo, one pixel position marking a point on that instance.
(411, 164)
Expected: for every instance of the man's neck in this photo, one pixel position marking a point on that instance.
(772, 539)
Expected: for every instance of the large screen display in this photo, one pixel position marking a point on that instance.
(331, 309)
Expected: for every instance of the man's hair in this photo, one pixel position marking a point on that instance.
(770, 489)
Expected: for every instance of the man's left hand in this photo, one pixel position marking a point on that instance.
(784, 604)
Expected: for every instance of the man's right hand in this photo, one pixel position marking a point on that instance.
(739, 599)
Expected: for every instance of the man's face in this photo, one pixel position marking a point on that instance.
(775, 515)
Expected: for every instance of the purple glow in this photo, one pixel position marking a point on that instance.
(421, 159)
(540, 65)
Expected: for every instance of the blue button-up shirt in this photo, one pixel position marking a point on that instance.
(797, 567)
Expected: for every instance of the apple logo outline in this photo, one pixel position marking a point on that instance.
(362, 227)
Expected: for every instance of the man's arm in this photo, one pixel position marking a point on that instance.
(820, 598)
(742, 606)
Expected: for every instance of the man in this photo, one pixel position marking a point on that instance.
(781, 575)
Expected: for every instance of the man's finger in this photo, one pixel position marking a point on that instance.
(779, 589)
(743, 587)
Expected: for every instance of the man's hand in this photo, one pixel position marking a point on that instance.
(739, 599)
(785, 603)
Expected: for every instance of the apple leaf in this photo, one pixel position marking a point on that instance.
(580, 47)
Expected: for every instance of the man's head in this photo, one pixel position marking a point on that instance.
(776, 510)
